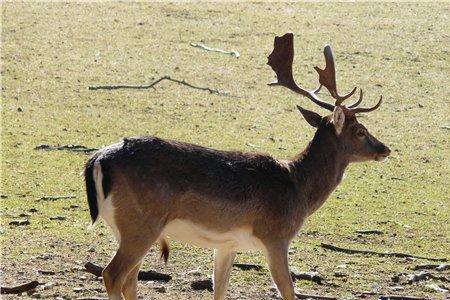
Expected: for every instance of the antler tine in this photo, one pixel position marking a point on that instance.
(357, 102)
(281, 60)
(365, 109)
(316, 91)
(327, 76)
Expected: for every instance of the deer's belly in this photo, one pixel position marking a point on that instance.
(194, 234)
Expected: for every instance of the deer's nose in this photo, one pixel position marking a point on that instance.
(385, 151)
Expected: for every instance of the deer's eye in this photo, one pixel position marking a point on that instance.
(361, 133)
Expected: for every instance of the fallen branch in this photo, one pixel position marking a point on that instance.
(93, 269)
(20, 288)
(425, 276)
(309, 296)
(200, 285)
(70, 147)
(310, 276)
(143, 275)
(206, 48)
(247, 267)
(53, 198)
(441, 267)
(394, 254)
(153, 275)
(151, 85)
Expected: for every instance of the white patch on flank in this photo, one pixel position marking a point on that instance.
(105, 206)
(234, 240)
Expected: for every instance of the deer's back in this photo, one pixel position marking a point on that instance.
(182, 167)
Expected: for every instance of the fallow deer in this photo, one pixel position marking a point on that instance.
(148, 189)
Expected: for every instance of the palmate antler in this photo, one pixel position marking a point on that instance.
(281, 60)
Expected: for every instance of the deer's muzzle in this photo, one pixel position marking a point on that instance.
(382, 153)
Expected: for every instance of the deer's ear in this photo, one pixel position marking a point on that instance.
(311, 117)
(338, 119)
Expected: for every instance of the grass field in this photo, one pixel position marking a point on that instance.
(52, 52)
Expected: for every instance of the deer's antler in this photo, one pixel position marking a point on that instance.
(354, 110)
(281, 60)
(327, 76)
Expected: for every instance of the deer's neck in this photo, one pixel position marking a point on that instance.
(319, 170)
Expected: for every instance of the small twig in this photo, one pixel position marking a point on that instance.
(364, 294)
(58, 218)
(151, 85)
(143, 275)
(389, 297)
(401, 224)
(370, 231)
(19, 222)
(73, 148)
(441, 267)
(425, 276)
(401, 297)
(20, 288)
(247, 267)
(206, 48)
(397, 178)
(53, 198)
(395, 254)
(309, 296)
(437, 288)
(252, 145)
(46, 272)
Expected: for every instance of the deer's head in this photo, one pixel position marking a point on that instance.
(353, 138)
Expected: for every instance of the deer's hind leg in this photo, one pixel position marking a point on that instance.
(129, 288)
(121, 273)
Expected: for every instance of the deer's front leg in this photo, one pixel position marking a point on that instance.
(277, 258)
(223, 263)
